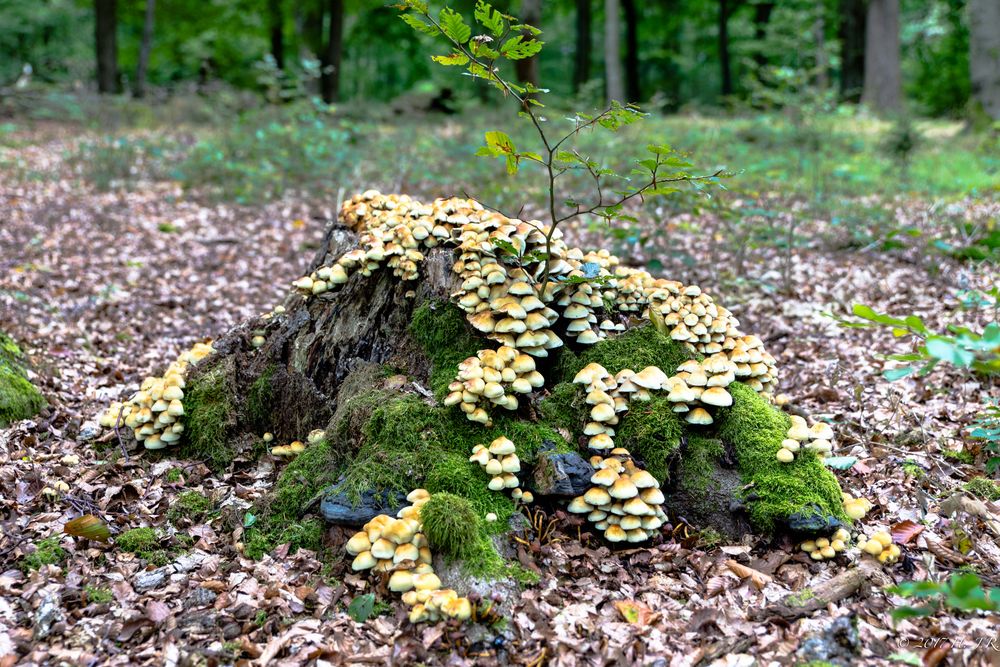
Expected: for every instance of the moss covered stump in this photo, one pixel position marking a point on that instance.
(19, 399)
(386, 360)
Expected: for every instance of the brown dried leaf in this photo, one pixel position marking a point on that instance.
(759, 579)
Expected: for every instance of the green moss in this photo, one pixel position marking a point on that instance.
(19, 399)
(636, 348)
(190, 505)
(265, 535)
(138, 539)
(754, 429)
(174, 475)
(209, 413)
(565, 407)
(800, 598)
(47, 552)
(958, 456)
(451, 524)
(260, 400)
(913, 469)
(652, 432)
(303, 478)
(96, 595)
(698, 460)
(984, 488)
(441, 330)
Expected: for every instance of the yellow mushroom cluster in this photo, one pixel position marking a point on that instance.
(492, 377)
(817, 438)
(881, 546)
(825, 548)
(607, 398)
(702, 383)
(856, 508)
(625, 503)
(500, 462)
(154, 412)
(397, 547)
(296, 446)
(518, 280)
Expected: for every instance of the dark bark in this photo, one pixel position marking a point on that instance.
(277, 27)
(724, 64)
(526, 69)
(139, 90)
(761, 17)
(883, 89)
(613, 80)
(984, 55)
(584, 43)
(853, 14)
(106, 43)
(329, 82)
(633, 86)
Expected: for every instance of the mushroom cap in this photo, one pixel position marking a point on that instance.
(615, 534)
(588, 337)
(604, 477)
(401, 581)
(602, 412)
(601, 441)
(579, 506)
(406, 552)
(418, 494)
(630, 522)
(502, 446)
(496, 483)
(596, 496)
(511, 463)
(790, 445)
(638, 507)
(800, 432)
(494, 467)
(637, 535)
(649, 377)
(480, 456)
(821, 431)
(358, 543)
(785, 456)
(643, 479)
(623, 488)
(698, 416)
(426, 582)
(383, 549)
(716, 396)
(363, 561)
(598, 396)
(589, 373)
(652, 496)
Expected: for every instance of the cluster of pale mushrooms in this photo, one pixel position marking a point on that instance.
(492, 377)
(817, 438)
(154, 412)
(397, 546)
(625, 503)
(879, 545)
(295, 447)
(501, 463)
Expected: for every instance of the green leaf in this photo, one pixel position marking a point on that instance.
(249, 519)
(518, 48)
(499, 143)
(947, 350)
(361, 607)
(840, 462)
(454, 26)
(489, 18)
(893, 374)
(418, 25)
(454, 59)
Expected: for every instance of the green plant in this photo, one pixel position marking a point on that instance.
(47, 552)
(984, 488)
(482, 56)
(962, 591)
(986, 427)
(362, 607)
(451, 524)
(96, 595)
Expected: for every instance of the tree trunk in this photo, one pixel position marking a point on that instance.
(329, 82)
(853, 15)
(277, 26)
(106, 43)
(984, 54)
(761, 17)
(526, 69)
(822, 62)
(633, 86)
(726, 72)
(581, 63)
(883, 89)
(613, 81)
(145, 47)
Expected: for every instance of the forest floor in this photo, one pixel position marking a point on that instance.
(104, 287)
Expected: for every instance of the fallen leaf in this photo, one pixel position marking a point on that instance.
(904, 531)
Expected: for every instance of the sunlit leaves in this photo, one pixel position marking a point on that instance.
(452, 60)
(518, 48)
(454, 26)
(489, 18)
(418, 25)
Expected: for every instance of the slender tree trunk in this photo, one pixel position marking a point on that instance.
(277, 20)
(581, 64)
(330, 77)
(883, 90)
(761, 17)
(526, 69)
(853, 17)
(633, 85)
(984, 54)
(613, 82)
(144, 48)
(106, 43)
(822, 62)
(726, 72)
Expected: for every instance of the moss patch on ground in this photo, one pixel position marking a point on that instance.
(451, 524)
(19, 399)
(209, 416)
(983, 488)
(260, 400)
(697, 462)
(190, 505)
(144, 543)
(754, 429)
(47, 552)
(441, 330)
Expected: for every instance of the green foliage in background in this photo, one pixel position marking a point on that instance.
(962, 591)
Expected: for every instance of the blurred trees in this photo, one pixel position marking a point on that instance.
(918, 54)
